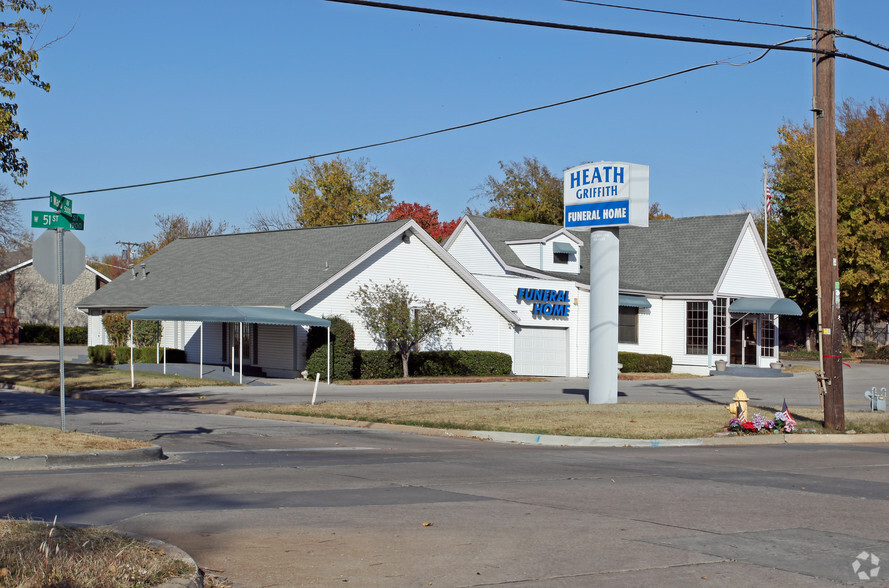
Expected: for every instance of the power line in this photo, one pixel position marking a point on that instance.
(416, 136)
(691, 15)
(604, 31)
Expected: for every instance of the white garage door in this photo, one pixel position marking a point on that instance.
(541, 352)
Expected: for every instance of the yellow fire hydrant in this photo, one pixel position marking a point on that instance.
(738, 407)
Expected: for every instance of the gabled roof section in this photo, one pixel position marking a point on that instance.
(560, 233)
(13, 260)
(273, 268)
(673, 256)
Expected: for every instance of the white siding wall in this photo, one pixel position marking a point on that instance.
(96, 334)
(212, 343)
(674, 336)
(400, 261)
(579, 337)
(530, 253)
(650, 336)
(473, 255)
(573, 265)
(749, 271)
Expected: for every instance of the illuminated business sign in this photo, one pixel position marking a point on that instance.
(606, 194)
(545, 302)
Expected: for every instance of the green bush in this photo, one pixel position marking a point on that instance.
(101, 355)
(50, 334)
(459, 363)
(147, 333)
(342, 358)
(117, 327)
(644, 362)
(377, 365)
(374, 364)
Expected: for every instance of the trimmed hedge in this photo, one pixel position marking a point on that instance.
(50, 334)
(645, 362)
(342, 359)
(101, 355)
(375, 364)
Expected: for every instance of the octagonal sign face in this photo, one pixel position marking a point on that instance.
(46, 252)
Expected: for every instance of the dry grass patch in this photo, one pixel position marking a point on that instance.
(631, 421)
(29, 440)
(78, 376)
(40, 555)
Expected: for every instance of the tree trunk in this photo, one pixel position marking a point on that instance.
(405, 355)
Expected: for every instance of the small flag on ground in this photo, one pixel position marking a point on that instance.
(788, 418)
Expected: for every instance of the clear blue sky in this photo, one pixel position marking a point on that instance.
(153, 90)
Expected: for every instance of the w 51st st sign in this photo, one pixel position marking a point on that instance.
(56, 220)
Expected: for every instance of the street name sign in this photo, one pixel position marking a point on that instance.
(60, 203)
(56, 220)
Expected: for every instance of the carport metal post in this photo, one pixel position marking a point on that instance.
(202, 351)
(328, 354)
(240, 353)
(132, 369)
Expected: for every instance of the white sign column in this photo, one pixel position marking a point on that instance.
(602, 197)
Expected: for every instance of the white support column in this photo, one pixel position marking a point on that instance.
(132, 369)
(328, 354)
(240, 353)
(202, 351)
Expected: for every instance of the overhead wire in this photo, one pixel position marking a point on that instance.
(692, 15)
(419, 135)
(604, 31)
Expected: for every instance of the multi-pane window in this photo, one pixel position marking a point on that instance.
(767, 334)
(627, 325)
(696, 328)
(720, 314)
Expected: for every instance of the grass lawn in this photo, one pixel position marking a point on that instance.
(30, 440)
(41, 555)
(630, 420)
(79, 376)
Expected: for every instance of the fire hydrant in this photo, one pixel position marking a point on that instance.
(738, 407)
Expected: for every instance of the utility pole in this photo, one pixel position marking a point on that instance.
(129, 245)
(830, 378)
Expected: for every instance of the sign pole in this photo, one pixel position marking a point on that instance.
(604, 289)
(61, 267)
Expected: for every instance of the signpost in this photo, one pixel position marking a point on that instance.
(48, 258)
(602, 197)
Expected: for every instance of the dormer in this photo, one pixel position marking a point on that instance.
(557, 252)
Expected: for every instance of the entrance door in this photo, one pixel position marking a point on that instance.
(744, 341)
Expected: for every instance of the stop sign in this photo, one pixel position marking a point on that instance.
(46, 252)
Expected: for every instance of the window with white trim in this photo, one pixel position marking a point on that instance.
(696, 328)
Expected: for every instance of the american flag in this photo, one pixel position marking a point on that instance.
(768, 200)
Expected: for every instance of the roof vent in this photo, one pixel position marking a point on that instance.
(144, 270)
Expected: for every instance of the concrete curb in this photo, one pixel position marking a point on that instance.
(571, 441)
(71, 460)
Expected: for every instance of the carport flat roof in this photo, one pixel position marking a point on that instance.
(228, 314)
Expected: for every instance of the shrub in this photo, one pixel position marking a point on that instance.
(376, 364)
(460, 363)
(50, 334)
(117, 327)
(342, 358)
(102, 355)
(645, 362)
(146, 333)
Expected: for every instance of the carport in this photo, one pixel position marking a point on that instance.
(241, 315)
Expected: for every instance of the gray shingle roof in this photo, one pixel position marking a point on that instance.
(673, 256)
(274, 268)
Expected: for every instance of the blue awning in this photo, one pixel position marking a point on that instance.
(563, 248)
(765, 306)
(261, 315)
(633, 301)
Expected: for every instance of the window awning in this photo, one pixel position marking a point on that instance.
(228, 314)
(765, 306)
(563, 248)
(633, 301)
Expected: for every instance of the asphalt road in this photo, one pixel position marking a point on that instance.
(269, 503)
